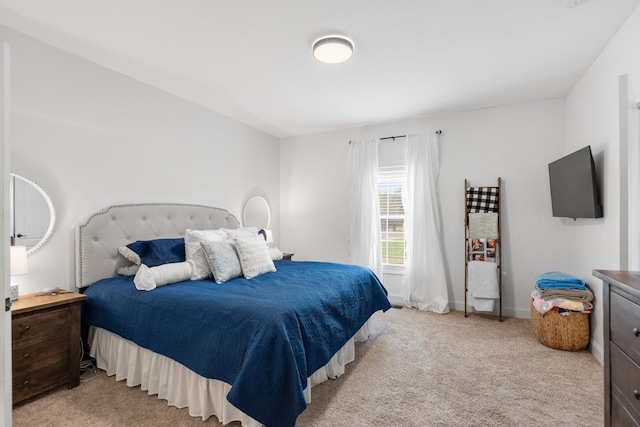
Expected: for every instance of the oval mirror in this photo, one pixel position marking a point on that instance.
(32, 214)
(257, 213)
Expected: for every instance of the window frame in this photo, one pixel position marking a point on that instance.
(392, 174)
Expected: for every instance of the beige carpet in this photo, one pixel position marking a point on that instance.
(416, 369)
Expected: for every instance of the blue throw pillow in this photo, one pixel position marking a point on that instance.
(159, 251)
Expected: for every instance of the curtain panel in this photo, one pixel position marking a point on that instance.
(364, 211)
(425, 282)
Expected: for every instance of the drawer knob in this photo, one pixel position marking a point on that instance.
(25, 356)
(26, 382)
(636, 393)
(27, 327)
(636, 331)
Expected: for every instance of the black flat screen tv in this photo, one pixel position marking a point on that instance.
(574, 187)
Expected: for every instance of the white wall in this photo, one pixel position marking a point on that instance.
(92, 137)
(592, 112)
(514, 142)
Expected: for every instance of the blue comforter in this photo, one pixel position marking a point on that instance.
(263, 336)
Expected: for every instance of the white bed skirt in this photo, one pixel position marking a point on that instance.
(182, 387)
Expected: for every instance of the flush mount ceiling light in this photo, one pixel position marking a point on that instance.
(332, 49)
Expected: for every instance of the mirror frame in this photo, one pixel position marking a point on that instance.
(52, 213)
(256, 199)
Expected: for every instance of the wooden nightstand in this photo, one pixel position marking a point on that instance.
(45, 343)
(287, 256)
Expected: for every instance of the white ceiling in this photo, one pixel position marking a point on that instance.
(251, 59)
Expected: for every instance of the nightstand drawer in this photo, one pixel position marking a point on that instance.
(40, 325)
(625, 326)
(45, 347)
(30, 383)
(625, 380)
(38, 353)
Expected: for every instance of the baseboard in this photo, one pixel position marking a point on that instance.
(519, 312)
(596, 350)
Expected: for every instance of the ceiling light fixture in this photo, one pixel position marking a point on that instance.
(332, 49)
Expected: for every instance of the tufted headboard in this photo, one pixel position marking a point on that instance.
(102, 233)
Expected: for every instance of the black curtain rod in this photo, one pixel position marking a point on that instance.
(393, 137)
(438, 132)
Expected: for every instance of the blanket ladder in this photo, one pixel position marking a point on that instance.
(479, 242)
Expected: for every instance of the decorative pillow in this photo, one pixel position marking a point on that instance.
(130, 255)
(275, 253)
(241, 232)
(148, 278)
(254, 256)
(127, 270)
(154, 252)
(223, 260)
(195, 253)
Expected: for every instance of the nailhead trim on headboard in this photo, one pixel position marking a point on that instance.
(100, 235)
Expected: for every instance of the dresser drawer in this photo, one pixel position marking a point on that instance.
(620, 416)
(29, 383)
(625, 380)
(40, 325)
(38, 353)
(625, 325)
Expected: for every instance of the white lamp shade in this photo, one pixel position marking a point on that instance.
(332, 49)
(19, 260)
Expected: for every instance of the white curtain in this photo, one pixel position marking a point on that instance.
(424, 284)
(364, 213)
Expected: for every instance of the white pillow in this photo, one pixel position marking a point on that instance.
(194, 252)
(275, 253)
(127, 270)
(148, 278)
(223, 260)
(254, 256)
(130, 255)
(241, 232)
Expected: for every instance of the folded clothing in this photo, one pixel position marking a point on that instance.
(570, 294)
(542, 306)
(557, 280)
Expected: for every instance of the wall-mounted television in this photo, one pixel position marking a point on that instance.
(574, 187)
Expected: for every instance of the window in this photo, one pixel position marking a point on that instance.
(390, 182)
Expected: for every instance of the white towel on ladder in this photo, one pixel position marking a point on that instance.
(482, 285)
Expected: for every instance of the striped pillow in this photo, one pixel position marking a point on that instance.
(254, 256)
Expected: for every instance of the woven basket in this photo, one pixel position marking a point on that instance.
(570, 333)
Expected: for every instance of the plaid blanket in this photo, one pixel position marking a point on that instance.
(482, 199)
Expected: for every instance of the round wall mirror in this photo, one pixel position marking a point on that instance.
(32, 214)
(256, 213)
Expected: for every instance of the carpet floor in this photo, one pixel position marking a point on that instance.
(416, 369)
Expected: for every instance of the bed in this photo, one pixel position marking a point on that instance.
(247, 350)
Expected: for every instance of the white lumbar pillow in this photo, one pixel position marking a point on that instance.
(148, 278)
